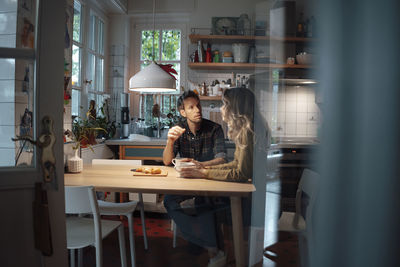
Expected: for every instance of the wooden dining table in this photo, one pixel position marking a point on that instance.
(120, 179)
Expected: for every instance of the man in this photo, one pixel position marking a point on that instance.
(196, 138)
(201, 141)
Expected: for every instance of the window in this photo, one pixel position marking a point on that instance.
(167, 50)
(87, 59)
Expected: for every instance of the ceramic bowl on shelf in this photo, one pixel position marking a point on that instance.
(305, 59)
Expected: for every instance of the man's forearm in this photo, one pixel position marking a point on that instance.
(168, 153)
(212, 162)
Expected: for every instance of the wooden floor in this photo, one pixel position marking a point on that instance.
(281, 248)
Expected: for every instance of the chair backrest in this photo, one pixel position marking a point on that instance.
(116, 162)
(80, 199)
(309, 182)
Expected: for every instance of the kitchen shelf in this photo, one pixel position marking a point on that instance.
(218, 97)
(230, 66)
(246, 38)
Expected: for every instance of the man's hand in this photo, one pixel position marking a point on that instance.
(174, 133)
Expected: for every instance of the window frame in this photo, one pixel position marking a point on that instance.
(137, 33)
(87, 10)
(138, 28)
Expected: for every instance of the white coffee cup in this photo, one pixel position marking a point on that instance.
(179, 163)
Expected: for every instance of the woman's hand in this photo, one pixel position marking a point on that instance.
(192, 172)
(197, 164)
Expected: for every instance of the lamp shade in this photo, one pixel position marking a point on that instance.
(152, 79)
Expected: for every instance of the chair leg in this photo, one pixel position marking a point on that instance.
(121, 238)
(80, 257)
(174, 234)
(99, 254)
(143, 221)
(131, 239)
(72, 257)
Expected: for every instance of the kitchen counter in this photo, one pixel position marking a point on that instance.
(151, 141)
(295, 142)
(141, 140)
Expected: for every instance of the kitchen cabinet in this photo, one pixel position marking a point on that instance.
(147, 152)
(229, 39)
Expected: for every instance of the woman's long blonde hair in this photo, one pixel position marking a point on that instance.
(239, 114)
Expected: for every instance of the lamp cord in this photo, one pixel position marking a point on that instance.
(154, 26)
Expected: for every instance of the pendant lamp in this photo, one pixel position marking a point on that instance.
(152, 79)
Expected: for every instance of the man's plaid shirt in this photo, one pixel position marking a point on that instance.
(207, 144)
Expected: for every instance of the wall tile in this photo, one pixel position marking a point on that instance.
(301, 107)
(301, 129)
(291, 117)
(312, 107)
(290, 129)
(312, 130)
(312, 117)
(301, 97)
(291, 106)
(301, 117)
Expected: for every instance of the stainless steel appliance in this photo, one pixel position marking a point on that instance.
(124, 115)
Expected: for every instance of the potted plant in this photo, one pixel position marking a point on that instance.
(82, 135)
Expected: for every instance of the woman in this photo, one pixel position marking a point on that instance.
(238, 112)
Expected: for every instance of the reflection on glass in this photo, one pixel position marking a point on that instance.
(101, 37)
(16, 111)
(91, 72)
(76, 66)
(75, 102)
(92, 44)
(100, 78)
(77, 21)
(171, 45)
(147, 45)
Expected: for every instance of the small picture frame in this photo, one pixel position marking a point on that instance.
(224, 25)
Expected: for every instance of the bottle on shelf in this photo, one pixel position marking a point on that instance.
(311, 28)
(306, 27)
(243, 25)
(216, 56)
(208, 53)
(300, 26)
(200, 51)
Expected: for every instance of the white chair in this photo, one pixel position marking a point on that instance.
(83, 232)
(294, 221)
(126, 208)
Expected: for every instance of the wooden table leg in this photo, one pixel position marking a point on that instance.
(237, 227)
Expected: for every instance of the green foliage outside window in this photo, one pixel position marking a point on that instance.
(171, 45)
(147, 45)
